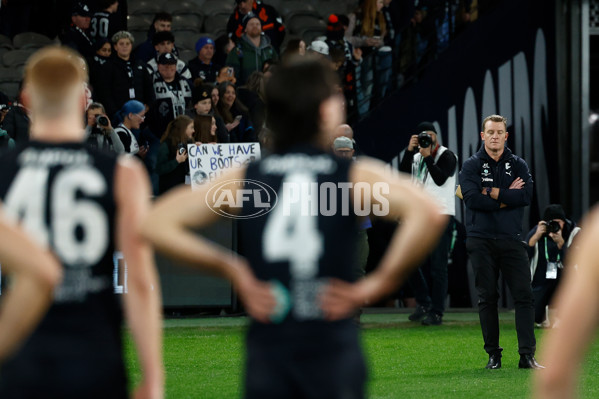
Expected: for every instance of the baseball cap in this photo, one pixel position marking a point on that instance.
(320, 47)
(426, 127)
(202, 41)
(554, 211)
(167, 59)
(81, 9)
(343, 142)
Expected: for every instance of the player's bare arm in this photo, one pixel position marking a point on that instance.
(168, 228)
(577, 300)
(143, 301)
(421, 225)
(35, 272)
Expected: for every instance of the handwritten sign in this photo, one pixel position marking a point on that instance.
(209, 161)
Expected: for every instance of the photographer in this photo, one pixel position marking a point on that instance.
(99, 132)
(433, 166)
(548, 243)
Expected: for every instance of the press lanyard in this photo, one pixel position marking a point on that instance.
(547, 253)
(422, 170)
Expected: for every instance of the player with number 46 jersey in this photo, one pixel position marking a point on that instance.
(298, 212)
(81, 204)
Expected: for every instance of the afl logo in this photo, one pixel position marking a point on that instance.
(229, 197)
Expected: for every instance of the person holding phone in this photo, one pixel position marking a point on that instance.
(235, 115)
(172, 166)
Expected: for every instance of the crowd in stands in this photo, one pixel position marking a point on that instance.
(214, 75)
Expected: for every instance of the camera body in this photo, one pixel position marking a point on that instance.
(552, 226)
(425, 140)
(102, 120)
(181, 149)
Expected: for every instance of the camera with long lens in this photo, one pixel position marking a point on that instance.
(102, 120)
(424, 140)
(552, 226)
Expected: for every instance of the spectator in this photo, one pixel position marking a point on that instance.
(418, 46)
(270, 21)
(252, 96)
(146, 51)
(164, 42)
(125, 79)
(16, 122)
(78, 36)
(294, 47)
(203, 105)
(99, 132)
(172, 167)
(98, 63)
(6, 142)
(343, 147)
(222, 47)
(132, 115)
(202, 66)
(435, 168)
(496, 186)
(171, 93)
(367, 30)
(321, 48)
(205, 129)
(234, 114)
(103, 23)
(546, 259)
(251, 51)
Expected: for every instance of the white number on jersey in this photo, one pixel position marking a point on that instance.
(27, 199)
(294, 237)
(99, 27)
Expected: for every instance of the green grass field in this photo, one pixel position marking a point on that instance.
(204, 358)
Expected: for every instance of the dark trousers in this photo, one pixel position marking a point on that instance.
(436, 297)
(543, 295)
(489, 257)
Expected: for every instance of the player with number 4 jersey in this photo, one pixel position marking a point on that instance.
(298, 212)
(82, 204)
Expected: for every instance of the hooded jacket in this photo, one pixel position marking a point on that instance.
(485, 217)
(246, 58)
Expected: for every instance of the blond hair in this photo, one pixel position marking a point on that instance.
(54, 81)
(494, 118)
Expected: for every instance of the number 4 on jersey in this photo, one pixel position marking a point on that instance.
(291, 232)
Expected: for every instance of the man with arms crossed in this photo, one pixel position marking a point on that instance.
(82, 204)
(297, 279)
(496, 186)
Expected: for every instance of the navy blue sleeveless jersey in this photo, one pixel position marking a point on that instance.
(309, 234)
(63, 195)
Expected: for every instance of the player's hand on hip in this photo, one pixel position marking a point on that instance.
(257, 296)
(339, 299)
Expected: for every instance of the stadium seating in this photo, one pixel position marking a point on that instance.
(9, 81)
(216, 23)
(289, 9)
(139, 22)
(187, 41)
(16, 58)
(187, 55)
(144, 8)
(218, 7)
(5, 42)
(182, 8)
(191, 22)
(28, 40)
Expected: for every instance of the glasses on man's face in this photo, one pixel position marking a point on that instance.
(142, 117)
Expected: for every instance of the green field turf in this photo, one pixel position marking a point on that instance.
(204, 357)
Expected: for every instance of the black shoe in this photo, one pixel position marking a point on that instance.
(432, 319)
(528, 361)
(419, 314)
(494, 362)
